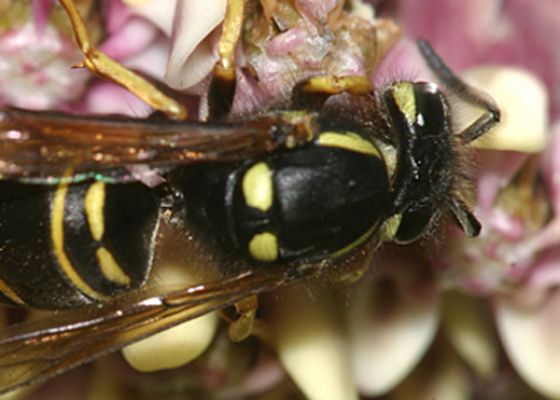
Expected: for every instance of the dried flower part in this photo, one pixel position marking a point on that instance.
(528, 328)
(288, 45)
(282, 43)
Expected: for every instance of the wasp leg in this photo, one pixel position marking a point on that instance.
(466, 92)
(243, 327)
(464, 218)
(222, 86)
(105, 67)
(313, 92)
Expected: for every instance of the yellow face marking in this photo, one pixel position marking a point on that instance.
(9, 293)
(389, 228)
(349, 141)
(57, 237)
(403, 94)
(257, 187)
(264, 247)
(110, 268)
(94, 204)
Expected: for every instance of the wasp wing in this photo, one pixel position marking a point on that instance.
(37, 350)
(40, 144)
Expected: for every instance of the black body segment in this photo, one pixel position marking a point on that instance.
(324, 199)
(68, 245)
(27, 263)
(327, 199)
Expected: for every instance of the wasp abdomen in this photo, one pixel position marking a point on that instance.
(72, 244)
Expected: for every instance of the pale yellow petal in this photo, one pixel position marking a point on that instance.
(389, 336)
(177, 346)
(313, 351)
(523, 100)
(530, 335)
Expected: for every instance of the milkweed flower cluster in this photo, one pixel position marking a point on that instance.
(449, 318)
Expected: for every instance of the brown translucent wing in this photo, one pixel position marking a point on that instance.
(34, 351)
(39, 144)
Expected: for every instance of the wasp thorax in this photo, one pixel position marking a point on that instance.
(318, 200)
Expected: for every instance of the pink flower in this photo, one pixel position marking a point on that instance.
(34, 62)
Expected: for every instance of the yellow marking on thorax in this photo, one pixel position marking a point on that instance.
(257, 187)
(9, 293)
(94, 205)
(264, 247)
(57, 237)
(349, 141)
(358, 242)
(403, 94)
(110, 268)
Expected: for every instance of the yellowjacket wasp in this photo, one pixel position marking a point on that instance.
(281, 197)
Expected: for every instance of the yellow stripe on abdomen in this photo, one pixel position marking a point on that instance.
(111, 270)
(94, 204)
(57, 237)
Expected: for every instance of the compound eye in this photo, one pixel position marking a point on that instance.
(431, 109)
(420, 106)
(413, 224)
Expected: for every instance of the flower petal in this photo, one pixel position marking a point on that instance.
(454, 28)
(469, 330)
(524, 106)
(108, 98)
(551, 166)
(176, 346)
(390, 332)
(159, 12)
(530, 336)
(130, 40)
(35, 68)
(497, 169)
(191, 58)
(312, 350)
